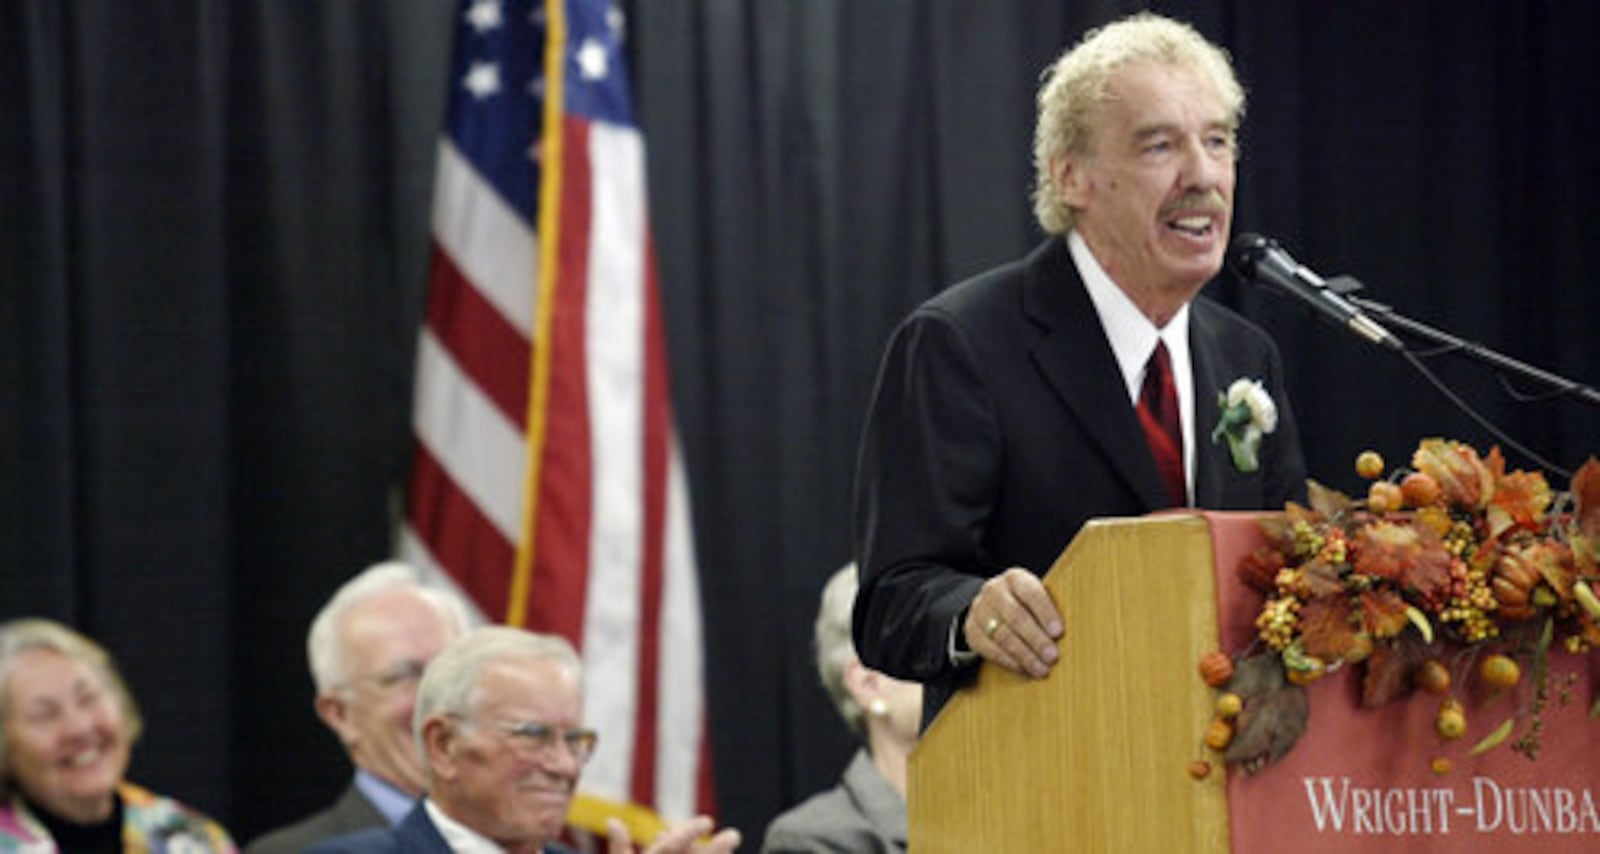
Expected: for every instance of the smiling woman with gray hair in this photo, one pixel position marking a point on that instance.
(69, 724)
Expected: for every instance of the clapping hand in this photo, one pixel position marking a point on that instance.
(687, 837)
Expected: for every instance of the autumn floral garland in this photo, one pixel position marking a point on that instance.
(1453, 559)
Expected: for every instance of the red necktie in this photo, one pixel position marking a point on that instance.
(1158, 415)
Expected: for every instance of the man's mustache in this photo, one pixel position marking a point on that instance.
(1207, 201)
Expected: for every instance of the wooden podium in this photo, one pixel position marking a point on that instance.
(1093, 757)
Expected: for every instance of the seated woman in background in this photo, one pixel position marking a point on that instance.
(866, 812)
(67, 727)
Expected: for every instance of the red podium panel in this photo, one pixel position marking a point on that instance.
(1361, 779)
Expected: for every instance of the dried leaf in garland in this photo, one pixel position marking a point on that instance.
(1586, 513)
(1383, 613)
(1322, 579)
(1259, 568)
(1389, 670)
(1328, 630)
(1273, 717)
(1327, 502)
(1413, 557)
(1462, 476)
(1554, 561)
(1519, 501)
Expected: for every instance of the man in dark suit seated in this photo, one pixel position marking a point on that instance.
(499, 723)
(1080, 381)
(367, 648)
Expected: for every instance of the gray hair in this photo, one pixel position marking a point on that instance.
(449, 685)
(34, 633)
(835, 650)
(1077, 81)
(324, 647)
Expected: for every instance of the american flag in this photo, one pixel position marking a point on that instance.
(548, 483)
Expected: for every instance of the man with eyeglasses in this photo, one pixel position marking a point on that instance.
(499, 724)
(367, 648)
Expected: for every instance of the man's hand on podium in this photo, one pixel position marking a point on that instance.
(1013, 623)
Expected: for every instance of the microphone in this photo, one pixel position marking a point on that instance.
(1261, 260)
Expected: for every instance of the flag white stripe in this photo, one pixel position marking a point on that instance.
(488, 240)
(474, 443)
(614, 358)
(680, 711)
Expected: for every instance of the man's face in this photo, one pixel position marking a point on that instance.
(387, 640)
(1154, 194)
(507, 787)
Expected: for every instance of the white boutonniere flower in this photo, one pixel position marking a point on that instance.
(1248, 413)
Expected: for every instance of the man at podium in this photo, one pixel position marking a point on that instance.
(1082, 380)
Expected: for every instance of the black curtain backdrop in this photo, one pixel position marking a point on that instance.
(213, 227)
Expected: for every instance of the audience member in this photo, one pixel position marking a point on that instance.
(69, 726)
(367, 649)
(499, 725)
(866, 812)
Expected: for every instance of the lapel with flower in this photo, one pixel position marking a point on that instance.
(1217, 366)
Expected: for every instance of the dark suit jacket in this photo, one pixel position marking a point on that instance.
(415, 834)
(999, 426)
(351, 812)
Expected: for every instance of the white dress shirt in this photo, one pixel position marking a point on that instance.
(460, 838)
(1133, 338)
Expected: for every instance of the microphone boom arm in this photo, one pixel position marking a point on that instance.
(1560, 385)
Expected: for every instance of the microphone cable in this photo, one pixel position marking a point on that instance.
(1479, 418)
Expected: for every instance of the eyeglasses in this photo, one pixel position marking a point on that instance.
(408, 672)
(531, 738)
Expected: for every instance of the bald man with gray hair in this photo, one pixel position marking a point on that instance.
(499, 724)
(367, 649)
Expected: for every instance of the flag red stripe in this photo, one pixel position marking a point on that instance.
(657, 436)
(558, 588)
(463, 541)
(487, 348)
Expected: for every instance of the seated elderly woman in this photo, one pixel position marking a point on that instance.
(866, 812)
(69, 725)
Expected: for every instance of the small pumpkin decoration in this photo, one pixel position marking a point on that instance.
(1516, 575)
(1216, 668)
